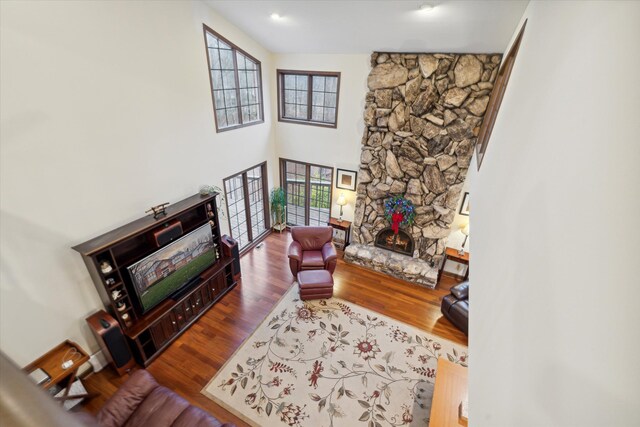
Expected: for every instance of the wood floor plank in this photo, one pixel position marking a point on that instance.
(194, 358)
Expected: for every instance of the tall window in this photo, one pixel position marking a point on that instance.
(247, 204)
(308, 97)
(308, 190)
(236, 83)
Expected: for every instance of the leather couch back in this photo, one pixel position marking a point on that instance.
(311, 238)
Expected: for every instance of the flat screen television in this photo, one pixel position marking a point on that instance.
(164, 272)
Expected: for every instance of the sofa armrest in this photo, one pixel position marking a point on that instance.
(117, 410)
(295, 251)
(461, 291)
(329, 252)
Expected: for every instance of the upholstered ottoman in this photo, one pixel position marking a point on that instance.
(315, 284)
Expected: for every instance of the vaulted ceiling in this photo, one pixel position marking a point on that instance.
(338, 26)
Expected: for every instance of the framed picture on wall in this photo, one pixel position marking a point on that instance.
(464, 207)
(346, 179)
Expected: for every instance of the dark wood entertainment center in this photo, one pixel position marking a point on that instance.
(151, 332)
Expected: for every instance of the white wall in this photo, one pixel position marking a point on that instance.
(554, 323)
(105, 110)
(340, 147)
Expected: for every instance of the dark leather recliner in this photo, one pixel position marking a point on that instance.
(312, 249)
(455, 306)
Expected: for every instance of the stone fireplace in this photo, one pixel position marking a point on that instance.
(401, 242)
(422, 116)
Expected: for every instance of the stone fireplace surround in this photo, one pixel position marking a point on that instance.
(422, 117)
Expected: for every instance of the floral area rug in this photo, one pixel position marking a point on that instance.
(332, 363)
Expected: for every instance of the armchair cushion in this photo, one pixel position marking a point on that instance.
(312, 259)
(141, 401)
(295, 251)
(461, 291)
(311, 238)
(117, 410)
(329, 252)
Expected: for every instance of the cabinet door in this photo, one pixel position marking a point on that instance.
(196, 302)
(214, 287)
(163, 330)
(205, 292)
(178, 315)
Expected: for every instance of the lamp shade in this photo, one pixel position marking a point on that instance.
(341, 200)
(465, 229)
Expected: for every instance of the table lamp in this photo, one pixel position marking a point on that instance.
(464, 229)
(341, 202)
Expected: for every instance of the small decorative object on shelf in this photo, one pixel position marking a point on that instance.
(399, 211)
(159, 210)
(110, 281)
(121, 306)
(126, 319)
(105, 267)
(116, 294)
(207, 190)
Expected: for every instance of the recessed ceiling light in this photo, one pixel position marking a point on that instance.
(276, 16)
(425, 7)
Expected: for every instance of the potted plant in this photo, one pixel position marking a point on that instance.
(278, 203)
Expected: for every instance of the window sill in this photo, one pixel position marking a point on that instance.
(307, 122)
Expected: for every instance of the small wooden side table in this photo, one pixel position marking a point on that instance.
(453, 255)
(51, 363)
(450, 390)
(345, 227)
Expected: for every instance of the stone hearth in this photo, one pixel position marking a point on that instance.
(422, 114)
(394, 264)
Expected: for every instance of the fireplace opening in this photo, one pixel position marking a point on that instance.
(401, 242)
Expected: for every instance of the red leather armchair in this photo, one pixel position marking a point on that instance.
(312, 249)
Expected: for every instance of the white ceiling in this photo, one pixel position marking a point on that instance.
(340, 26)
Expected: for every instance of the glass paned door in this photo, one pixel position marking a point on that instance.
(246, 204)
(308, 190)
(320, 194)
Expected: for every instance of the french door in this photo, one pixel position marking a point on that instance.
(246, 196)
(308, 190)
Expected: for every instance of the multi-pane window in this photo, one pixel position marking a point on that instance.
(308, 191)
(309, 97)
(246, 204)
(235, 83)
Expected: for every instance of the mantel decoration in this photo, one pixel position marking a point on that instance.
(399, 211)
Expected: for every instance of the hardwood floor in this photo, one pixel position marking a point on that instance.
(194, 358)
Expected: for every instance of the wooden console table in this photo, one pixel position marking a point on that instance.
(453, 255)
(344, 226)
(51, 363)
(450, 390)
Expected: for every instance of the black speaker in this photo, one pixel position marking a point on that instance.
(169, 232)
(230, 249)
(112, 341)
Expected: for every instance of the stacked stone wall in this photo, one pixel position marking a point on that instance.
(422, 116)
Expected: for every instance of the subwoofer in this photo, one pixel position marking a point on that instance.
(230, 249)
(112, 341)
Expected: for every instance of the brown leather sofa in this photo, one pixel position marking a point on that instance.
(455, 306)
(141, 401)
(312, 249)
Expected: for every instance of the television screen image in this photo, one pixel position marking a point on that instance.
(165, 271)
